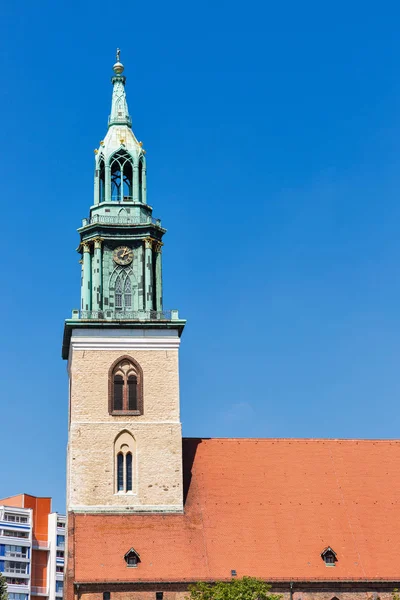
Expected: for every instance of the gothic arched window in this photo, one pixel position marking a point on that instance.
(118, 292)
(125, 387)
(123, 292)
(120, 472)
(121, 177)
(124, 451)
(128, 293)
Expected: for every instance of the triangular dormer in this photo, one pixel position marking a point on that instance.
(329, 556)
(132, 558)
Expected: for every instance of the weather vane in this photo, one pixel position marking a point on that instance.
(118, 54)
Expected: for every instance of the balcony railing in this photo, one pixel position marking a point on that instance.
(21, 570)
(37, 545)
(38, 591)
(117, 198)
(121, 220)
(124, 119)
(129, 315)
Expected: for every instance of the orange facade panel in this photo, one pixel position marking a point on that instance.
(17, 501)
(41, 508)
(39, 568)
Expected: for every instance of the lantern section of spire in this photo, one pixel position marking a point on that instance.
(119, 106)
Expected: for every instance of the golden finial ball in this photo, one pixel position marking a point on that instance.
(118, 68)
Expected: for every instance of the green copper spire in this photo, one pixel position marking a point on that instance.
(121, 241)
(119, 106)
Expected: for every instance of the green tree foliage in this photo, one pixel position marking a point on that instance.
(247, 588)
(3, 588)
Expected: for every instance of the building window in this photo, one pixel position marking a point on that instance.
(15, 518)
(125, 387)
(15, 567)
(60, 524)
(60, 553)
(61, 541)
(128, 293)
(329, 556)
(132, 558)
(59, 587)
(120, 475)
(106, 595)
(16, 581)
(122, 285)
(59, 569)
(118, 293)
(15, 534)
(124, 450)
(159, 595)
(128, 466)
(16, 551)
(15, 596)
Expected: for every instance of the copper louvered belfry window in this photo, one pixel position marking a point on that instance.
(126, 388)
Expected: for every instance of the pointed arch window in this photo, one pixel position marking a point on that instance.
(128, 465)
(124, 451)
(118, 292)
(123, 292)
(128, 293)
(120, 472)
(121, 177)
(125, 387)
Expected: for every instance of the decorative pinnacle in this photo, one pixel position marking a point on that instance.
(118, 68)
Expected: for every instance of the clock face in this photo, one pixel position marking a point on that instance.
(123, 255)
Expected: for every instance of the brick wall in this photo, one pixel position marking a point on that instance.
(302, 591)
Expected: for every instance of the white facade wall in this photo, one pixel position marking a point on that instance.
(16, 550)
(55, 568)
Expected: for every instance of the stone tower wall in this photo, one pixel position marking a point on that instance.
(157, 460)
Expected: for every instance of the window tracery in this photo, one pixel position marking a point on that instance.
(121, 177)
(126, 387)
(124, 450)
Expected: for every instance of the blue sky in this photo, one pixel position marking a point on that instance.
(272, 137)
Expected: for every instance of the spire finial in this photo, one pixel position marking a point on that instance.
(118, 68)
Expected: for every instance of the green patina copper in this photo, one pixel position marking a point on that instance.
(121, 218)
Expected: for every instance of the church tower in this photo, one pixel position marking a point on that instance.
(124, 441)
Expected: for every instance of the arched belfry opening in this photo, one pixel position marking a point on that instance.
(121, 177)
(102, 180)
(140, 180)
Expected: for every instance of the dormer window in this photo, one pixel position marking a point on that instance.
(329, 556)
(132, 558)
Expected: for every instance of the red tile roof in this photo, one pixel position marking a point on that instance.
(264, 507)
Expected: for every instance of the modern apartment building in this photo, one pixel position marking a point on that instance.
(32, 541)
